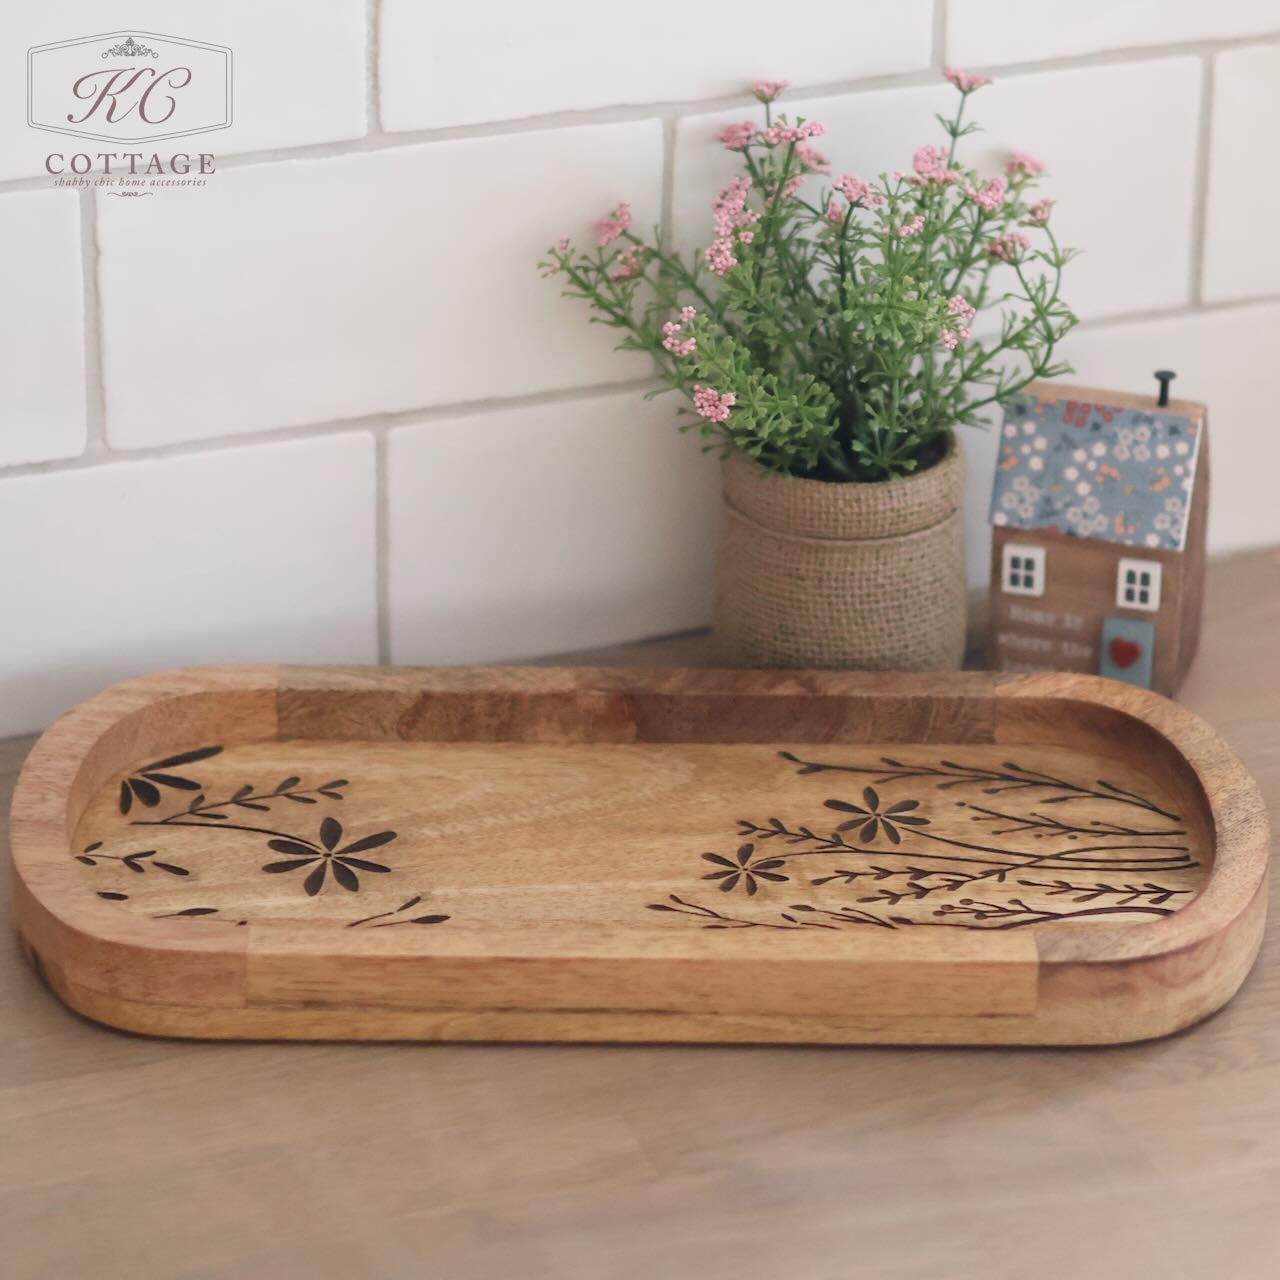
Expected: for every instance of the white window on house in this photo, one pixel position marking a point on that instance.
(1138, 584)
(1022, 571)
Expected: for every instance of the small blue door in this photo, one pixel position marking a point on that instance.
(1128, 650)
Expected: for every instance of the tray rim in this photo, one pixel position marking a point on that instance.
(1214, 938)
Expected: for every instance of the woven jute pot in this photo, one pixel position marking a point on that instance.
(857, 576)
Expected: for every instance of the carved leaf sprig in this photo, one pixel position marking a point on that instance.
(386, 919)
(144, 784)
(137, 862)
(245, 797)
(1010, 776)
(1157, 895)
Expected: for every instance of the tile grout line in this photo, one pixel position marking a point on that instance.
(385, 423)
(373, 37)
(95, 411)
(666, 207)
(388, 421)
(680, 108)
(378, 139)
(382, 542)
(1200, 187)
(381, 431)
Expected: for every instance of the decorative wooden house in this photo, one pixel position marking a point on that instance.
(1098, 531)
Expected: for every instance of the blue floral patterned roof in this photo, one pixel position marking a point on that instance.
(1096, 471)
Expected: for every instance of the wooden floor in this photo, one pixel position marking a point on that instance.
(139, 1159)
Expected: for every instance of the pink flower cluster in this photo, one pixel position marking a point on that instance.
(793, 132)
(990, 196)
(930, 164)
(1009, 247)
(1040, 212)
(767, 90)
(711, 404)
(1021, 165)
(738, 137)
(673, 334)
(812, 158)
(610, 228)
(965, 81)
(733, 221)
(630, 263)
(854, 190)
(786, 190)
(909, 229)
(960, 307)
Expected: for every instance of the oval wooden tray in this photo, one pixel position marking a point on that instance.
(336, 853)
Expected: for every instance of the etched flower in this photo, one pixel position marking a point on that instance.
(325, 855)
(868, 820)
(741, 869)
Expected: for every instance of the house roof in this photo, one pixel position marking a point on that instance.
(1109, 472)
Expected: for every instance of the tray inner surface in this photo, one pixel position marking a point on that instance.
(430, 837)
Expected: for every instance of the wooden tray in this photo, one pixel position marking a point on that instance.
(335, 853)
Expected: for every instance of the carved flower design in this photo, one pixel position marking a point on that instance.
(742, 869)
(869, 817)
(326, 855)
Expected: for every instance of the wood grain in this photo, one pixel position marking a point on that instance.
(599, 854)
(124, 1157)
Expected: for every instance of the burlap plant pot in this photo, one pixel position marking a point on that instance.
(858, 576)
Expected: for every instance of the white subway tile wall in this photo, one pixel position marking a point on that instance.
(42, 365)
(547, 528)
(1242, 251)
(991, 32)
(460, 474)
(360, 284)
(456, 64)
(257, 554)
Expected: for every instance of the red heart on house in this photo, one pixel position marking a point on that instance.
(1124, 653)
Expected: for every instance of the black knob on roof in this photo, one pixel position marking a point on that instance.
(1164, 377)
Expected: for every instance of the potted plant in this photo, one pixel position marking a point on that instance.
(829, 345)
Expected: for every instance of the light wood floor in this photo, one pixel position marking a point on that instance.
(138, 1159)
